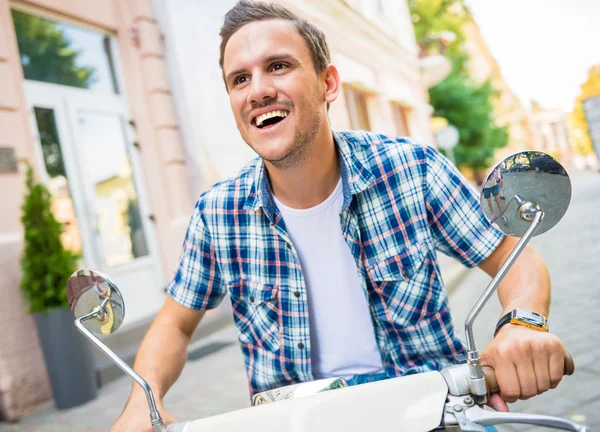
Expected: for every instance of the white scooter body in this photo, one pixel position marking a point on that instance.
(411, 403)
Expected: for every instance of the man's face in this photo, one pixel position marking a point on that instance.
(276, 96)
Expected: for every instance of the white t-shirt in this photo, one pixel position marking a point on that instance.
(493, 180)
(341, 330)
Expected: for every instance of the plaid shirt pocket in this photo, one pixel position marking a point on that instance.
(256, 313)
(404, 290)
(409, 302)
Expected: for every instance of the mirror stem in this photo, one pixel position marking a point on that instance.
(96, 313)
(476, 377)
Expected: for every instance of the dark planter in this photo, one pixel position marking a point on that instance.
(69, 358)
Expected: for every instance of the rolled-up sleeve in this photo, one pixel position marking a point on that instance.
(454, 213)
(196, 283)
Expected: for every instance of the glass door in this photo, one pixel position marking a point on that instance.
(93, 173)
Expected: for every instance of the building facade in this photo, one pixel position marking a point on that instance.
(508, 109)
(85, 99)
(550, 133)
(120, 108)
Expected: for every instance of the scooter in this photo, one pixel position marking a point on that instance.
(452, 399)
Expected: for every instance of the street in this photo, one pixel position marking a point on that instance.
(214, 379)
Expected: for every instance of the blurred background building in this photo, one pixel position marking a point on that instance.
(508, 109)
(550, 133)
(584, 121)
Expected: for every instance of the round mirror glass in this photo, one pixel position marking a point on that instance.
(525, 177)
(90, 289)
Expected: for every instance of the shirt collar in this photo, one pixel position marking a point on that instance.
(356, 176)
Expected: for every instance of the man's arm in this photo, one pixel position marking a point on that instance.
(163, 352)
(526, 362)
(160, 360)
(526, 285)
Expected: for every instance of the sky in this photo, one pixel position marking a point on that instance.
(544, 47)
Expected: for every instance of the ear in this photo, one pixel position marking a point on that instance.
(332, 83)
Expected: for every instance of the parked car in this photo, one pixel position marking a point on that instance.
(546, 163)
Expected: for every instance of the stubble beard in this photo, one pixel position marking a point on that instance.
(299, 151)
(302, 141)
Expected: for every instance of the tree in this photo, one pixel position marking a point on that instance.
(467, 105)
(51, 149)
(432, 19)
(45, 264)
(464, 103)
(46, 52)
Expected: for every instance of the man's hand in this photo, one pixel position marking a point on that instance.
(526, 363)
(136, 417)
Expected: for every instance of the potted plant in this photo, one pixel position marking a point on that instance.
(45, 268)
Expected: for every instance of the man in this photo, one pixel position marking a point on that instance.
(327, 242)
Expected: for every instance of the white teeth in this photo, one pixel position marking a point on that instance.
(261, 118)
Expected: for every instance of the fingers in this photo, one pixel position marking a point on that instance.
(556, 367)
(508, 379)
(527, 378)
(498, 403)
(541, 366)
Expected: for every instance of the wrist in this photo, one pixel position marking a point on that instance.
(523, 318)
(138, 399)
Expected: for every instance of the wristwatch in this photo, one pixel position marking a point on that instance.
(532, 320)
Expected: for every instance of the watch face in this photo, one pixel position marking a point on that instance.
(530, 317)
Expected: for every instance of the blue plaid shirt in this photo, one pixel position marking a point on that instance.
(402, 202)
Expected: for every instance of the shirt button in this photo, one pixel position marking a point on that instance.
(405, 273)
(296, 294)
(301, 345)
(251, 299)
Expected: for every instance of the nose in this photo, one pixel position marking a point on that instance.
(262, 89)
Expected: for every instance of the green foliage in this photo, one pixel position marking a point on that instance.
(50, 144)
(434, 18)
(45, 264)
(467, 105)
(464, 103)
(46, 53)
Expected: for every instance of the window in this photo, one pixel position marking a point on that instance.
(58, 184)
(357, 108)
(401, 119)
(65, 54)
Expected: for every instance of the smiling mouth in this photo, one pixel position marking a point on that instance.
(269, 119)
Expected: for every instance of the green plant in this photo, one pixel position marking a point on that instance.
(45, 264)
(466, 104)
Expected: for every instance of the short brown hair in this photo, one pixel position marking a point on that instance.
(245, 12)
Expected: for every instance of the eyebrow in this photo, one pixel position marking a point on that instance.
(270, 59)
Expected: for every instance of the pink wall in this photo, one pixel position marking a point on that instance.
(23, 379)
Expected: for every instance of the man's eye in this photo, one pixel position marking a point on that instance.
(240, 80)
(278, 66)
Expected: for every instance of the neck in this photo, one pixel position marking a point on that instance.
(314, 180)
